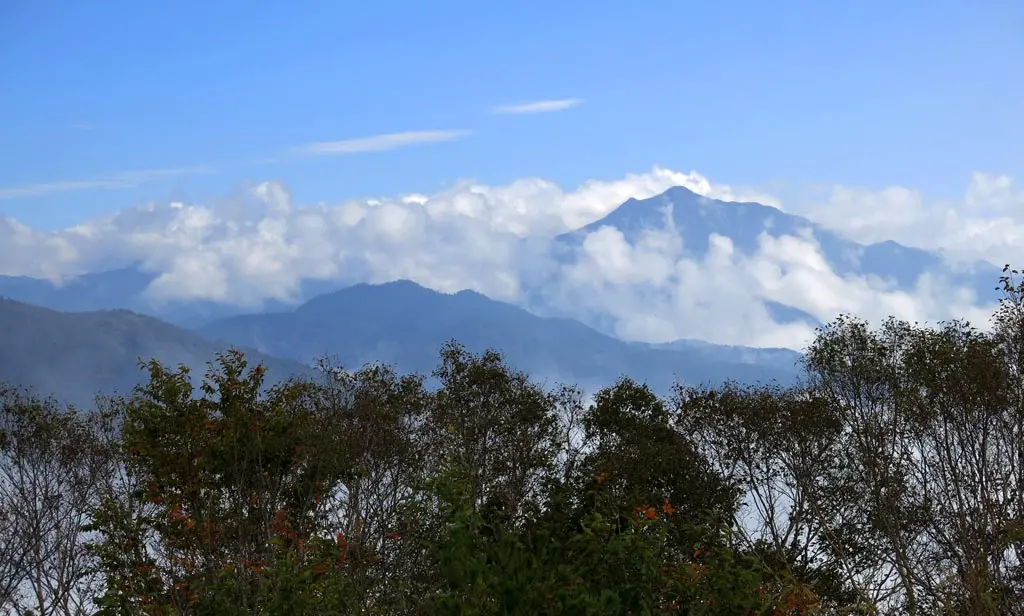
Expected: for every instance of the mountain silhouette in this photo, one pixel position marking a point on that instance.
(404, 324)
(75, 356)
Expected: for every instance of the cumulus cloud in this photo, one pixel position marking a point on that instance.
(653, 291)
(546, 106)
(986, 223)
(122, 179)
(258, 245)
(379, 143)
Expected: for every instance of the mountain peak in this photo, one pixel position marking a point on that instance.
(683, 193)
(367, 295)
(695, 217)
(687, 207)
(404, 324)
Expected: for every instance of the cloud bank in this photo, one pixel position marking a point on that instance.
(258, 245)
(987, 222)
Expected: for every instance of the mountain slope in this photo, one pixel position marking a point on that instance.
(117, 289)
(105, 290)
(73, 356)
(547, 291)
(695, 218)
(405, 325)
(729, 353)
(692, 216)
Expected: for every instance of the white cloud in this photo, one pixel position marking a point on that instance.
(257, 245)
(454, 239)
(987, 223)
(546, 106)
(122, 179)
(379, 143)
(653, 292)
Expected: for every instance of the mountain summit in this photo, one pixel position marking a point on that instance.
(695, 218)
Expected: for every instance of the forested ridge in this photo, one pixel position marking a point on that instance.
(889, 480)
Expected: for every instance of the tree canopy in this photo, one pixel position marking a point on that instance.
(890, 480)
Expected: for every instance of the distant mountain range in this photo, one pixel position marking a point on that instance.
(404, 324)
(78, 337)
(692, 216)
(74, 356)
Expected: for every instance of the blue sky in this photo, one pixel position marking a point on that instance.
(203, 96)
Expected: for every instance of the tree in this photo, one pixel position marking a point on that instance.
(782, 450)
(229, 514)
(596, 566)
(642, 457)
(498, 424)
(926, 413)
(891, 480)
(51, 461)
(381, 422)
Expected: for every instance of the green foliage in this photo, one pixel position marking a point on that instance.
(600, 566)
(643, 456)
(226, 509)
(891, 481)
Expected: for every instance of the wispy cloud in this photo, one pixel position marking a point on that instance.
(539, 106)
(379, 143)
(123, 179)
(129, 179)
